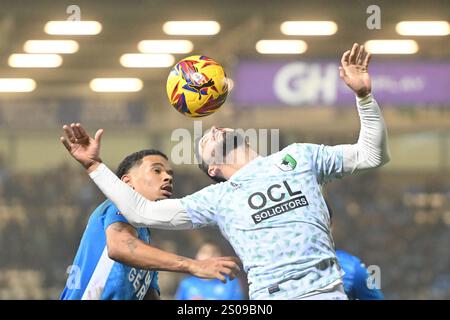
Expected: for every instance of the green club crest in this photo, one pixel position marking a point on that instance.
(288, 163)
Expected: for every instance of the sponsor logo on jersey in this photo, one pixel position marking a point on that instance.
(258, 201)
(235, 185)
(140, 280)
(288, 163)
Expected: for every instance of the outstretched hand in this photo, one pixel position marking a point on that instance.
(216, 268)
(354, 70)
(85, 149)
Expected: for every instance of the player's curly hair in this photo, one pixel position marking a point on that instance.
(136, 159)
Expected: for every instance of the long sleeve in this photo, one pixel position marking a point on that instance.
(139, 211)
(371, 150)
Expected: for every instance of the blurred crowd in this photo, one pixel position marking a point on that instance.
(399, 222)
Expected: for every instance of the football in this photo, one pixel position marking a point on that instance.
(197, 86)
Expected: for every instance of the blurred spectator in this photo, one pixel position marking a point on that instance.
(356, 278)
(4, 176)
(193, 288)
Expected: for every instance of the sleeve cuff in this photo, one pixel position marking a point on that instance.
(364, 101)
(100, 169)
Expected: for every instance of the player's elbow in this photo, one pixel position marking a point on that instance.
(116, 250)
(385, 160)
(379, 162)
(382, 159)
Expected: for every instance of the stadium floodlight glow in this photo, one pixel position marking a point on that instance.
(50, 46)
(147, 60)
(116, 84)
(194, 28)
(423, 28)
(165, 46)
(31, 60)
(391, 46)
(17, 85)
(309, 28)
(281, 46)
(81, 28)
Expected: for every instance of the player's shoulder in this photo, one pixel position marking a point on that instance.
(301, 147)
(214, 188)
(108, 207)
(298, 151)
(102, 208)
(107, 210)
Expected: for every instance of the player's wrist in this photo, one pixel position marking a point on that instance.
(363, 100)
(92, 165)
(363, 94)
(187, 265)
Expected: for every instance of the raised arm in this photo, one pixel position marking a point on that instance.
(139, 211)
(371, 150)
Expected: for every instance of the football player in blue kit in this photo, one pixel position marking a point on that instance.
(115, 260)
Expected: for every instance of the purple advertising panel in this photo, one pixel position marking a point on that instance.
(318, 83)
(54, 112)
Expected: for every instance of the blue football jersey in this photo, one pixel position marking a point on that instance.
(94, 276)
(355, 278)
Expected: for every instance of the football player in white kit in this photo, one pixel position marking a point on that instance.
(271, 209)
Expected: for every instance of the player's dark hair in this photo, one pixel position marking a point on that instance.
(136, 159)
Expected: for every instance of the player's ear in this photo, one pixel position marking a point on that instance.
(127, 179)
(213, 171)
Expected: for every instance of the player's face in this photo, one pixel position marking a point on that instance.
(153, 178)
(211, 145)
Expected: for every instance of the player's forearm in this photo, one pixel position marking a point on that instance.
(371, 150)
(136, 253)
(139, 211)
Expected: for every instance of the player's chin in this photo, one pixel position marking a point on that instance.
(161, 198)
(164, 195)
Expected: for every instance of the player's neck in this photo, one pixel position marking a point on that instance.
(239, 158)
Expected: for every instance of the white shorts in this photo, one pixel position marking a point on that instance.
(334, 293)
